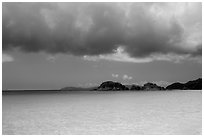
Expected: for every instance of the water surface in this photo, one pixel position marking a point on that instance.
(153, 112)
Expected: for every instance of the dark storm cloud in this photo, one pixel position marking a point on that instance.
(142, 29)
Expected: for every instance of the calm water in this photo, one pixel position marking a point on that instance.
(158, 112)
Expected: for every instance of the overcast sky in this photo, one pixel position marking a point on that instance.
(52, 45)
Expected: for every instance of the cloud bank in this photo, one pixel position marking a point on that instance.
(145, 31)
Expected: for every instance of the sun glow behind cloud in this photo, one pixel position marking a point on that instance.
(121, 55)
(118, 55)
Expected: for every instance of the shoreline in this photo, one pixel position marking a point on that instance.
(19, 92)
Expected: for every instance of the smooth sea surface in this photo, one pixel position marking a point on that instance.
(115, 113)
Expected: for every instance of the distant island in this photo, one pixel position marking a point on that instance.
(116, 86)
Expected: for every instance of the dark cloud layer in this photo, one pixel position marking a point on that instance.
(142, 29)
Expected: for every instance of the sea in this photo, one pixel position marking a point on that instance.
(102, 113)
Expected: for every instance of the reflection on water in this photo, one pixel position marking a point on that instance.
(158, 112)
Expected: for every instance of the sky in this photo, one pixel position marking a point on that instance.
(54, 45)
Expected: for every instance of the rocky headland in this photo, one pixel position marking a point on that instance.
(190, 85)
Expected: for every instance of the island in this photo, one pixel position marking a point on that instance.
(116, 86)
